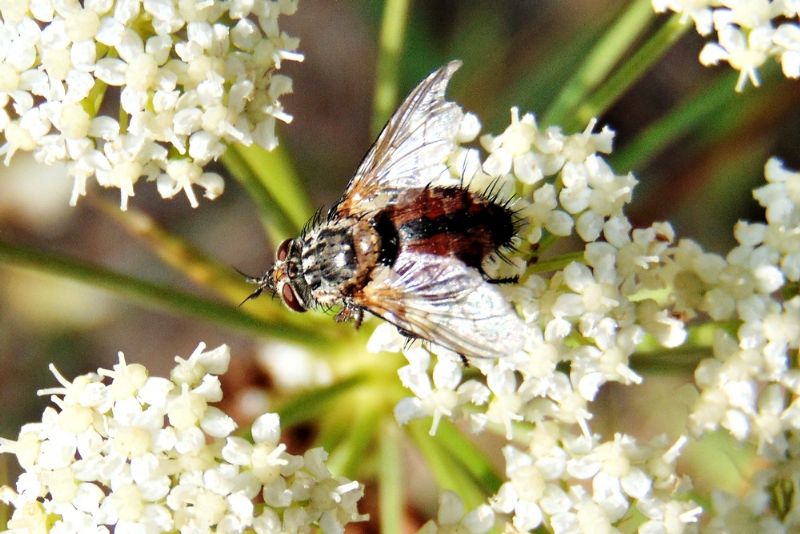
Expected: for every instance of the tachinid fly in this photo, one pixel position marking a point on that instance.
(404, 249)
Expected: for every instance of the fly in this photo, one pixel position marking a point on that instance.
(406, 250)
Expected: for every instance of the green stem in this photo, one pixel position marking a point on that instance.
(177, 252)
(315, 403)
(449, 473)
(600, 60)
(683, 119)
(390, 46)
(675, 361)
(203, 269)
(349, 455)
(149, 293)
(270, 182)
(698, 337)
(390, 478)
(628, 73)
(652, 358)
(554, 264)
(91, 104)
(463, 449)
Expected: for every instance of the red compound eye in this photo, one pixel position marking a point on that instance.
(291, 300)
(283, 250)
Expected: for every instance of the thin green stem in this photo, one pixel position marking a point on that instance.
(448, 472)
(203, 269)
(313, 404)
(177, 252)
(348, 456)
(276, 172)
(698, 337)
(152, 294)
(672, 361)
(554, 264)
(272, 184)
(91, 104)
(390, 477)
(598, 63)
(681, 120)
(390, 47)
(469, 455)
(650, 357)
(628, 73)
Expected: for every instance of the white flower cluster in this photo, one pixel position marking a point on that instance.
(748, 32)
(622, 473)
(586, 314)
(592, 315)
(126, 89)
(128, 452)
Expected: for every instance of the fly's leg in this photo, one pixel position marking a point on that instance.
(352, 312)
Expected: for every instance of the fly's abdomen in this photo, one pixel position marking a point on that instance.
(452, 221)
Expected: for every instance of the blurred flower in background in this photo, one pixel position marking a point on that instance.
(658, 269)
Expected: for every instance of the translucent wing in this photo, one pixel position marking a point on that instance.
(441, 299)
(411, 150)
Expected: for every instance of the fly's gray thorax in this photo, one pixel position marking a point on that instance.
(328, 260)
(337, 257)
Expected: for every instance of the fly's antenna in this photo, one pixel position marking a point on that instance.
(263, 283)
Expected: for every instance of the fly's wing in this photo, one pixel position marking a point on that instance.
(441, 299)
(411, 150)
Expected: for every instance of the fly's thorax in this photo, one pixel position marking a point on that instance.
(337, 258)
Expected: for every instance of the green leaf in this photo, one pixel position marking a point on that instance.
(204, 270)
(682, 119)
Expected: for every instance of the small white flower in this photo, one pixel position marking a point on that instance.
(699, 11)
(451, 517)
(441, 396)
(787, 39)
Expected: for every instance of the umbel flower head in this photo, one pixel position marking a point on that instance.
(748, 33)
(124, 450)
(124, 90)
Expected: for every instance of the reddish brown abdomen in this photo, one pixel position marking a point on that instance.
(451, 221)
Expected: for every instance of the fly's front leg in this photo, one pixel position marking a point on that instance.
(350, 311)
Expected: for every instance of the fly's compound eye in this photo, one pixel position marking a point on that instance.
(283, 250)
(290, 298)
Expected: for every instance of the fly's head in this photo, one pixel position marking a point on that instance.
(285, 277)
